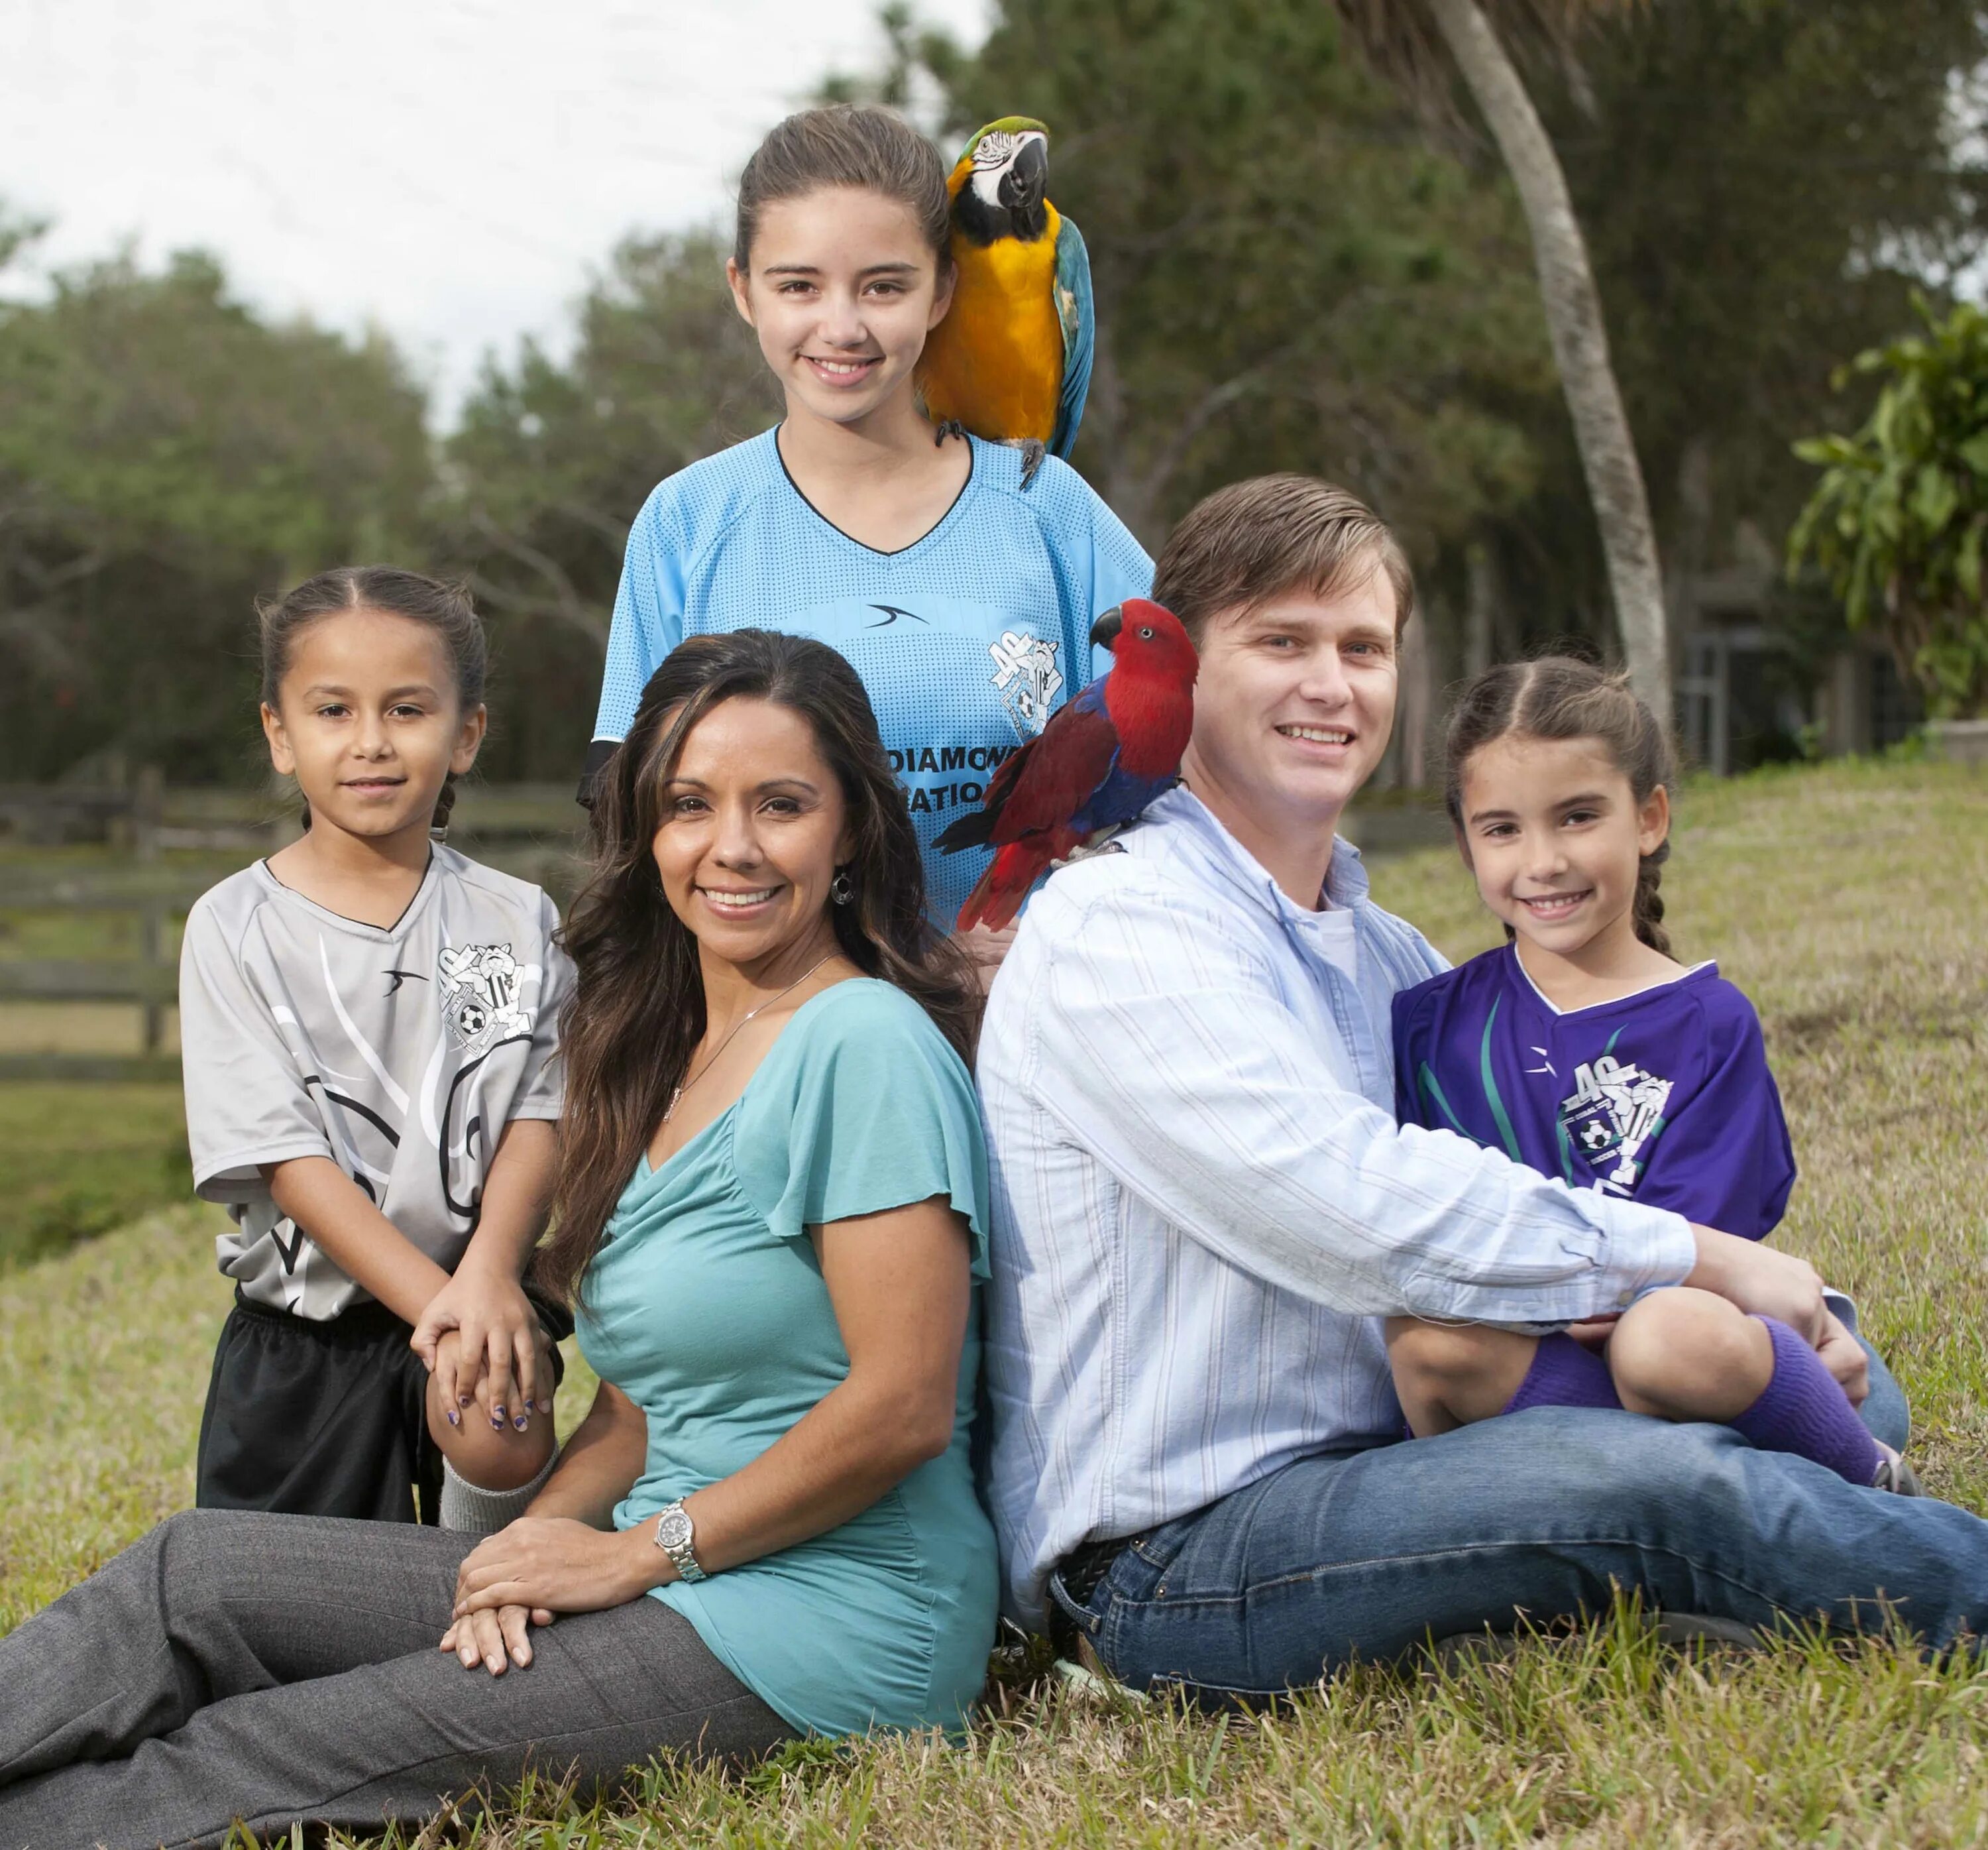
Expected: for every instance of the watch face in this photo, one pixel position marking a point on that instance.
(674, 1529)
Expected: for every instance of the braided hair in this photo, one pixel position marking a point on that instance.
(1557, 697)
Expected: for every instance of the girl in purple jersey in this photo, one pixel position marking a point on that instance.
(1583, 1048)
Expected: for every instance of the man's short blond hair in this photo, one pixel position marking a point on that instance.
(1255, 540)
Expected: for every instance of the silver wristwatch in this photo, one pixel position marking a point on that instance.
(675, 1535)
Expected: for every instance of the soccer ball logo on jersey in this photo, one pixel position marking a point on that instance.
(1615, 1110)
(1027, 677)
(479, 990)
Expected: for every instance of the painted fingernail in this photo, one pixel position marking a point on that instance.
(463, 1400)
(497, 1411)
(455, 1418)
(521, 1421)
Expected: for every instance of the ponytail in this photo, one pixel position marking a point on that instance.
(1647, 913)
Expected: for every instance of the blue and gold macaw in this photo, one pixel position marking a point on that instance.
(1011, 361)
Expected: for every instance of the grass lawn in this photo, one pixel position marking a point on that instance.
(77, 1159)
(1847, 901)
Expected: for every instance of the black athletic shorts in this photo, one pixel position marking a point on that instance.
(326, 1418)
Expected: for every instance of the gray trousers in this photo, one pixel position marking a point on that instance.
(236, 1665)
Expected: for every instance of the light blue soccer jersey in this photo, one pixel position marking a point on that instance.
(967, 640)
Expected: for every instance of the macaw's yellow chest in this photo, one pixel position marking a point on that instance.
(995, 362)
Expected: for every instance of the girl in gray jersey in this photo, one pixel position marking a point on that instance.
(369, 1032)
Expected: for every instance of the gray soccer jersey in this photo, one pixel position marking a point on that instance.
(401, 1054)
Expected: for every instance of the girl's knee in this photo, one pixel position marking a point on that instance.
(1684, 1354)
(492, 1457)
(1447, 1375)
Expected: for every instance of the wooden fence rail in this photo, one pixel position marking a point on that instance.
(532, 830)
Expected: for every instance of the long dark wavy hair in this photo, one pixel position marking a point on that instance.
(638, 1008)
(1557, 697)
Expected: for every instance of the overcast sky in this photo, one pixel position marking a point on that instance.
(450, 168)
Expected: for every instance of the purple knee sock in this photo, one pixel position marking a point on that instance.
(1804, 1409)
(1564, 1374)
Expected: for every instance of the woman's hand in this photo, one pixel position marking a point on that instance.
(501, 1359)
(553, 1564)
(496, 1640)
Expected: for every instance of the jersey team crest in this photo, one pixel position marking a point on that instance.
(1614, 1112)
(1027, 677)
(478, 992)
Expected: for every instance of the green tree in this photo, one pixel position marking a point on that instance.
(166, 455)
(1898, 520)
(1763, 182)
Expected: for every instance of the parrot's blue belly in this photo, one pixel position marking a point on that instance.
(1119, 799)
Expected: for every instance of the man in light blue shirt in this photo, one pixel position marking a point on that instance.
(1202, 1200)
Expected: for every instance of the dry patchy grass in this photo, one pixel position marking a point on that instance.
(1846, 901)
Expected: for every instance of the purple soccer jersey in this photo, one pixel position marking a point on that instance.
(1662, 1097)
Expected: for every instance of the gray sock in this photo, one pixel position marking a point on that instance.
(470, 1510)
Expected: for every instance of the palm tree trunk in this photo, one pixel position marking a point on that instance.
(1579, 343)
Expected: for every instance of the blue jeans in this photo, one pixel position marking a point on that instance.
(1884, 1411)
(1365, 1553)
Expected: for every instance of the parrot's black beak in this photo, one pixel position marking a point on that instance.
(1104, 631)
(1027, 177)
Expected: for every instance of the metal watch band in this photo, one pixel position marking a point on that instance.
(680, 1544)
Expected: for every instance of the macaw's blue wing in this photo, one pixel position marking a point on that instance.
(1078, 314)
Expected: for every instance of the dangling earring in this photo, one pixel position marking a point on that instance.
(841, 889)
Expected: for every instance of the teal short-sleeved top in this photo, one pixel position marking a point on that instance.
(706, 1307)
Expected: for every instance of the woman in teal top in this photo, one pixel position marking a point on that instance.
(706, 1307)
(773, 1203)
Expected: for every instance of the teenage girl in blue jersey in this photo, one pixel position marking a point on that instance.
(963, 599)
(1582, 1048)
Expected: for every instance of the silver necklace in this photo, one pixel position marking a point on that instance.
(670, 1110)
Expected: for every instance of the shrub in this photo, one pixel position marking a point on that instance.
(1899, 520)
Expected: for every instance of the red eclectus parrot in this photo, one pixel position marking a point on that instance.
(1011, 361)
(1102, 758)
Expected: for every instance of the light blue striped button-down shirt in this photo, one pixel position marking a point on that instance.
(1202, 1200)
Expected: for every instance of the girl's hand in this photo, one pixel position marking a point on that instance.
(496, 1640)
(1593, 1332)
(553, 1564)
(501, 1362)
(1843, 1356)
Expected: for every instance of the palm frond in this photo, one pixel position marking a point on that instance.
(1402, 43)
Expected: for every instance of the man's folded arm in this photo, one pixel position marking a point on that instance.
(1158, 1043)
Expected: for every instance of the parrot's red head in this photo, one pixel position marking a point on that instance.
(1146, 638)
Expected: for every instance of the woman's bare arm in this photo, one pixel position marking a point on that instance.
(900, 1283)
(601, 1463)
